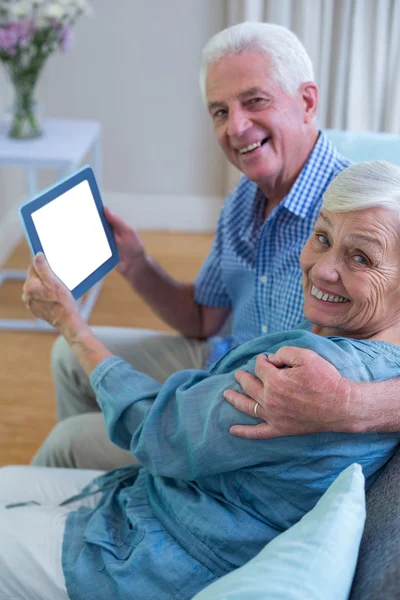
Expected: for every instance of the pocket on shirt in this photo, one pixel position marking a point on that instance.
(158, 568)
(110, 542)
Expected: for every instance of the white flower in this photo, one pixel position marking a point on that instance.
(19, 10)
(54, 11)
(80, 6)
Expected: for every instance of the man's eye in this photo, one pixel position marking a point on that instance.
(219, 113)
(255, 100)
(323, 239)
(360, 259)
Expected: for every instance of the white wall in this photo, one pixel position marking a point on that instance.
(134, 67)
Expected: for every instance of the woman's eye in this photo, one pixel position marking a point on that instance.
(323, 239)
(360, 259)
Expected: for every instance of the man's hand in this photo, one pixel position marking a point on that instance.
(129, 244)
(45, 295)
(309, 397)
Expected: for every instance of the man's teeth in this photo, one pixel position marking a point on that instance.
(250, 147)
(326, 297)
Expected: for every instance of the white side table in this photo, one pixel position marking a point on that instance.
(63, 146)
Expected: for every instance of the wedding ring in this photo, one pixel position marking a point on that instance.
(255, 409)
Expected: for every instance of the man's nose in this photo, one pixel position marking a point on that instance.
(238, 122)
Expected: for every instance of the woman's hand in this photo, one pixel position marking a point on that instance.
(46, 296)
(129, 244)
(309, 397)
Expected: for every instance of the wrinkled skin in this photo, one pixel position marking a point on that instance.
(45, 295)
(248, 106)
(354, 256)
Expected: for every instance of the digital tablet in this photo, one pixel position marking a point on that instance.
(67, 223)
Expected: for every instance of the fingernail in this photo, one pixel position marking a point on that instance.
(271, 356)
(226, 395)
(40, 257)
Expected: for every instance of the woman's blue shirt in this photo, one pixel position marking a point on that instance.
(203, 502)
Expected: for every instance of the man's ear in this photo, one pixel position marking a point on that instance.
(309, 94)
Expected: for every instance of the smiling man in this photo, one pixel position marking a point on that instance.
(258, 84)
(267, 133)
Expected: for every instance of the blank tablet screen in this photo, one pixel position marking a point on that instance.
(72, 235)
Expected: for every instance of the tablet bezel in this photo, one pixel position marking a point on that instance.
(50, 194)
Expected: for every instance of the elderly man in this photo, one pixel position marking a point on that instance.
(259, 86)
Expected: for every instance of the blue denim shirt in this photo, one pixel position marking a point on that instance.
(203, 502)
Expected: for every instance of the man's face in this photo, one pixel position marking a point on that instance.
(262, 130)
(351, 272)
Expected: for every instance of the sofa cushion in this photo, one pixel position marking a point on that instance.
(314, 559)
(378, 570)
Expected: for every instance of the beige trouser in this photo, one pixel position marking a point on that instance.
(79, 439)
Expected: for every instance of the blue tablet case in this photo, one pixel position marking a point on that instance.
(67, 223)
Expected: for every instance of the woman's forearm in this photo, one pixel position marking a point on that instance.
(375, 406)
(86, 347)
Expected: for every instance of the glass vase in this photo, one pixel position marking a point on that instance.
(24, 114)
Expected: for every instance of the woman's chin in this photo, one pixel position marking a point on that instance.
(317, 317)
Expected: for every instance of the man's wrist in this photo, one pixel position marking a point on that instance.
(361, 411)
(351, 416)
(138, 265)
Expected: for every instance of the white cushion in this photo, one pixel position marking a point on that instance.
(314, 559)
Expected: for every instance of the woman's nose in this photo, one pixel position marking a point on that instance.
(327, 269)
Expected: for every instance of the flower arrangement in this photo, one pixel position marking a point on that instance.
(30, 31)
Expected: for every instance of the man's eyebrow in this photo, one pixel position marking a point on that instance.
(252, 92)
(243, 95)
(216, 104)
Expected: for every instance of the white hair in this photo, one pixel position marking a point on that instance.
(291, 64)
(364, 185)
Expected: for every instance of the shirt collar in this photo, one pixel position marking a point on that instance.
(313, 178)
(306, 189)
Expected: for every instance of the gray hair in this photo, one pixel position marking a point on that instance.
(291, 64)
(364, 185)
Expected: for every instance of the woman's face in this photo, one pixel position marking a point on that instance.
(351, 272)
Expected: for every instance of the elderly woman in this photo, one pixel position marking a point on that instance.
(203, 502)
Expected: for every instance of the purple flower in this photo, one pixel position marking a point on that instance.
(14, 34)
(66, 38)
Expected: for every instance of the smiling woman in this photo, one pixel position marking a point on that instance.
(351, 270)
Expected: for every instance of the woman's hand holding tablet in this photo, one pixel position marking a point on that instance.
(45, 295)
(67, 223)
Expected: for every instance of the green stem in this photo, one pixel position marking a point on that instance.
(24, 123)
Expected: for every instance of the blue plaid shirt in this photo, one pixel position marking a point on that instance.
(253, 265)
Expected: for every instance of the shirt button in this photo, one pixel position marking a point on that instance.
(264, 329)
(263, 279)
